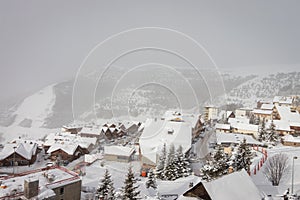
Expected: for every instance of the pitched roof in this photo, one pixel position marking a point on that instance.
(26, 150)
(238, 185)
(68, 148)
(66, 138)
(286, 114)
(280, 125)
(159, 132)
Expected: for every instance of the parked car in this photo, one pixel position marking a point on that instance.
(65, 162)
(50, 164)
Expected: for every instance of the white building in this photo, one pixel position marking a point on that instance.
(210, 113)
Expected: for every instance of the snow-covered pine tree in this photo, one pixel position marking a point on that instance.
(105, 190)
(217, 166)
(243, 156)
(171, 154)
(182, 166)
(159, 172)
(262, 135)
(130, 191)
(151, 182)
(273, 135)
(169, 171)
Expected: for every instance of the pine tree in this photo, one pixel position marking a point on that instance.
(161, 163)
(171, 154)
(105, 190)
(217, 166)
(181, 163)
(130, 189)
(273, 135)
(151, 182)
(243, 157)
(262, 132)
(169, 171)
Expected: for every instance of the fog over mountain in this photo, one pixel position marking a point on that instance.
(44, 42)
(248, 51)
(51, 107)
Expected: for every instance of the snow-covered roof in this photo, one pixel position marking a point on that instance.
(72, 126)
(262, 112)
(295, 124)
(290, 138)
(238, 185)
(223, 126)
(286, 114)
(26, 150)
(228, 113)
(128, 124)
(283, 100)
(177, 187)
(245, 127)
(91, 131)
(68, 148)
(280, 125)
(157, 132)
(59, 176)
(245, 109)
(238, 120)
(90, 158)
(66, 138)
(118, 150)
(171, 115)
(235, 138)
(267, 106)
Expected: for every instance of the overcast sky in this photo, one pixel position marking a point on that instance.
(43, 42)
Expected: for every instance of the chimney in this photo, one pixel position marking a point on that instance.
(31, 188)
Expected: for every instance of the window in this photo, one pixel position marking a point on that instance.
(61, 191)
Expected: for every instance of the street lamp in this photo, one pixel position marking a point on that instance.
(295, 157)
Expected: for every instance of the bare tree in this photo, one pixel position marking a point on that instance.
(275, 168)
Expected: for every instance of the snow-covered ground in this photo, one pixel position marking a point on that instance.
(265, 186)
(94, 173)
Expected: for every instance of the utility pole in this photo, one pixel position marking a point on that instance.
(14, 160)
(295, 157)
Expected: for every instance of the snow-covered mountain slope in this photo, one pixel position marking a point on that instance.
(51, 107)
(27, 119)
(263, 88)
(33, 111)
